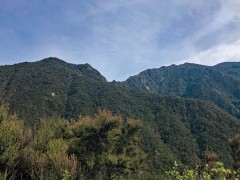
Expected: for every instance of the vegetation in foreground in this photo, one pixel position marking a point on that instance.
(103, 147)
(211, 168)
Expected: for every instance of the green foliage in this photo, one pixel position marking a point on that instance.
(103, 147)
(3, 176)
(12, 138)
(66, 175)
(3, 112)
(215, 171)
(235, 145)
(174, 173)
(107, 147)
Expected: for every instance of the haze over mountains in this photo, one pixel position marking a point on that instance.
(179, 124)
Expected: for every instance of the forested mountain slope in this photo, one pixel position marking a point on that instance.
(219, 84)
(174, 128)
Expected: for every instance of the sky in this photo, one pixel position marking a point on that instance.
(120, 38)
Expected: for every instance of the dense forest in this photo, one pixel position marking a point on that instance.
(101, 147)
(53, 122)
(218, 84)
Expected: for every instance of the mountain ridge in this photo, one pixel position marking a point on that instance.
(218, 84)
(179, 128)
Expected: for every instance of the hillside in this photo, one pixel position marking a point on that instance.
(174, 128)
(41, 87)
(218, 84)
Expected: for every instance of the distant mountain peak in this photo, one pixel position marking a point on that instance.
(59, 67)
(219, 83)
(52, 59)
(88, 70)
(87, 66)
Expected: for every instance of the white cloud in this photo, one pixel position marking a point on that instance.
(226, 14)
(125, 36)
(217, 54)
(122, 37)
(218, 41)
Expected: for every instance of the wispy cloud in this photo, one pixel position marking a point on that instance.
(121, 38)
(219, 40)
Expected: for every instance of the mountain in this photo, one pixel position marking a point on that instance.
(174, 128)
(34, 88)
(219, 84)
(231, 68)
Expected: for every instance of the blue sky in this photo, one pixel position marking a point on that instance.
(120, 38)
